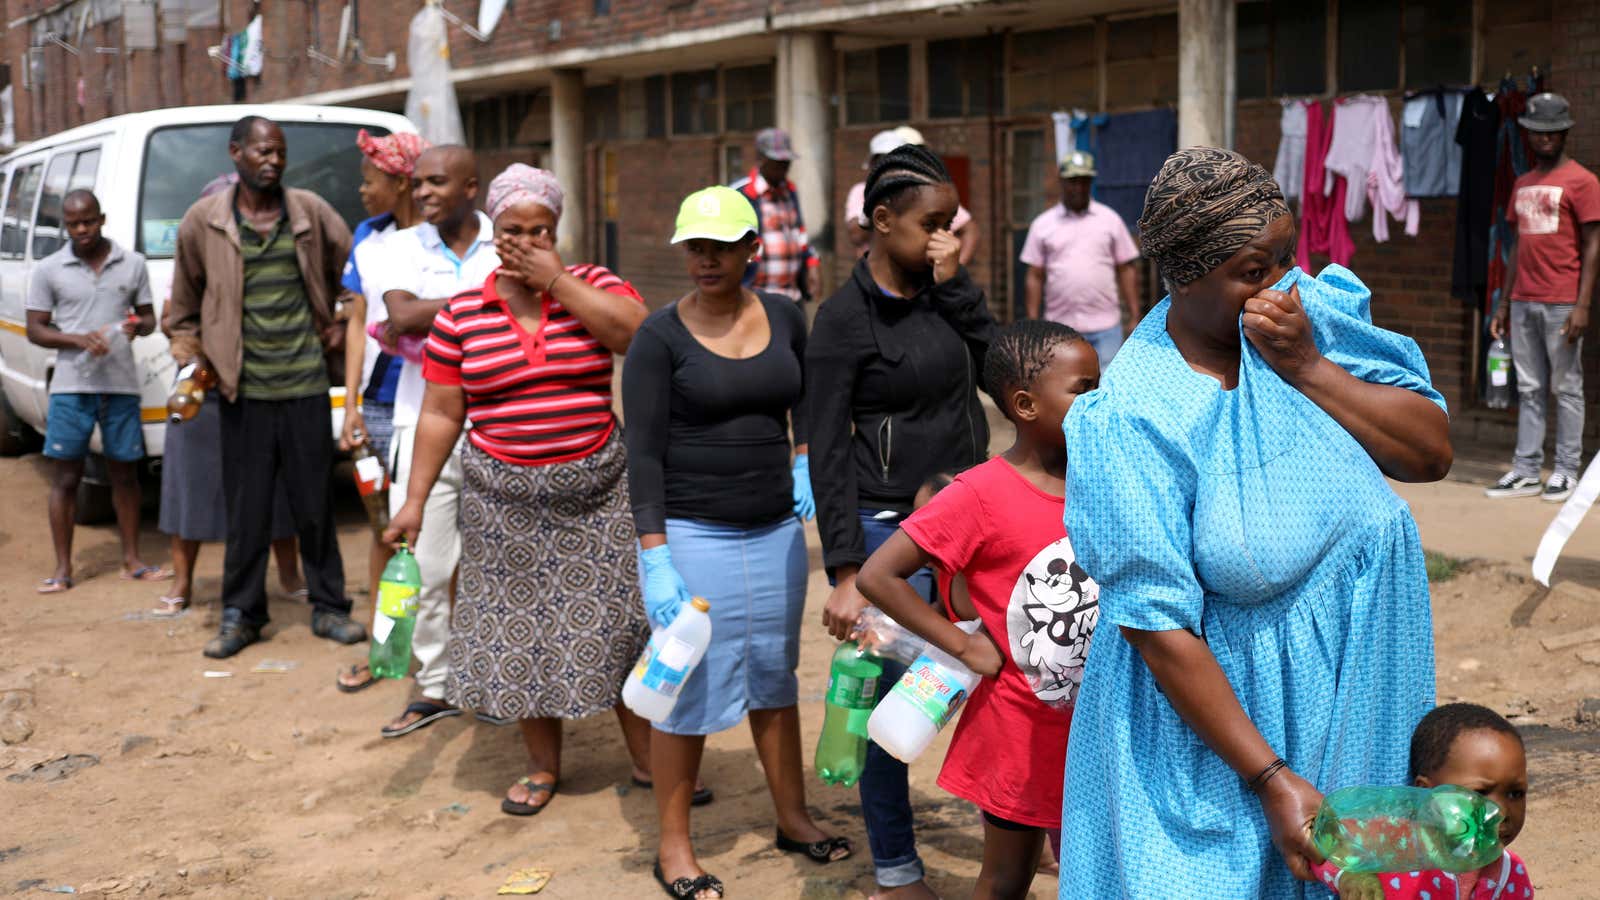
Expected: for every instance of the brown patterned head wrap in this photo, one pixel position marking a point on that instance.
(1203, 206)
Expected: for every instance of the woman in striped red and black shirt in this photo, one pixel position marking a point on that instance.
(548, 620)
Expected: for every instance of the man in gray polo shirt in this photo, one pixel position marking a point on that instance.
(86, 302)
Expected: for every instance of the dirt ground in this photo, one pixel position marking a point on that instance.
(274, 784)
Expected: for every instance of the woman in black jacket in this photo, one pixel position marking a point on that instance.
(891, 394)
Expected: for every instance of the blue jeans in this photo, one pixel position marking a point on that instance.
(1105, 343)
(885, 793)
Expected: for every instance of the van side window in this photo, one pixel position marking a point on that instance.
(84, 169)
(48, 233)
(180, 161)
(19, 206)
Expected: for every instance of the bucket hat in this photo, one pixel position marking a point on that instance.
(1546, 112)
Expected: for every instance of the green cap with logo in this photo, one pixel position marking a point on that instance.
(715, 213)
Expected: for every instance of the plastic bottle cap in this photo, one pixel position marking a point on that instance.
(700, 604)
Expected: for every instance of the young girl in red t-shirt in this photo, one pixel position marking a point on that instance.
(999, 525)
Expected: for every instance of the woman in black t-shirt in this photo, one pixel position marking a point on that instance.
(710, 393)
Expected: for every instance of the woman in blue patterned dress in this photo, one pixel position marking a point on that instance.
(1226, 489)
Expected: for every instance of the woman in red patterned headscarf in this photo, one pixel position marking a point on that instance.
(370, 375)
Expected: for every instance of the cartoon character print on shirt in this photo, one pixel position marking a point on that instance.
(1052, 614)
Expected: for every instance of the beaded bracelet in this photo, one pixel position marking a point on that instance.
(1260, 781)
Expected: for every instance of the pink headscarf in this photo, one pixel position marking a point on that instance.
(395, 154)
(522, 183)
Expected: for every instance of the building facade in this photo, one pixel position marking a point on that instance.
(635, 103)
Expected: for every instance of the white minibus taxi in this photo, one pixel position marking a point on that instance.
(147, 168)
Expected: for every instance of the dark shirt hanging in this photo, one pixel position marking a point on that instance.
(1132, 148)
(1477, 133)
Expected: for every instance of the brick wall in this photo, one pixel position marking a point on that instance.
(653, 178)
(1409, 276)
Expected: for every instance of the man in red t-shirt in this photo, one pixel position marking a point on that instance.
(1555, 227)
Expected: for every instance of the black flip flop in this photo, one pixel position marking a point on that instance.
(702, 796)
(431, 711)
(687, 888)
(817, 851)
(512, 808)
(354, 668)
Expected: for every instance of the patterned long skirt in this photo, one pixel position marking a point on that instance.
(548, 620)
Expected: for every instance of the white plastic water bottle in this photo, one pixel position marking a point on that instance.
(1499, 393)
(652, 688)
(923, 701)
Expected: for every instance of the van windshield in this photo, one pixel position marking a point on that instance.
(181, 161)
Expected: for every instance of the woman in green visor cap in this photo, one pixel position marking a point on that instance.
(711, 393)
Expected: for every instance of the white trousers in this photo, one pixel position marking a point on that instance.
(438, 550)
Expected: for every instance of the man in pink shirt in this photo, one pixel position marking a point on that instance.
(1080, 263)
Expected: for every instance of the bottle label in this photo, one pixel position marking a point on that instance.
(665, 665)
(1499, 371)
(381, 626)
(396, 600)
(929, 688)
(852, 692)
(186, 372)
(370, 476)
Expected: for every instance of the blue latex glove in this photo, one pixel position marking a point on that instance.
(664, 590)
(805, 506)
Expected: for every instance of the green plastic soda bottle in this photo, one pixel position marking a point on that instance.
(1407, 829)
(396, 616)
(852, 691)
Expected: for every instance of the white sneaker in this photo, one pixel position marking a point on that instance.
(1558, 488)
(1513, 485)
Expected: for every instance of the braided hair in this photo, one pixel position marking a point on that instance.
(897, 174)
(1019, 354)
(1438, 730)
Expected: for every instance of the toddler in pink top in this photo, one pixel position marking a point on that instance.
(1473, 747)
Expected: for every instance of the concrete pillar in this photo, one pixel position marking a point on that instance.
(566, 160)
(805, 62)
(1202, 72)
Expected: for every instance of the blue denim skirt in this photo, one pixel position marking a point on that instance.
(755, 581)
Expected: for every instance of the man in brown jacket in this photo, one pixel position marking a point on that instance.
(256, 275)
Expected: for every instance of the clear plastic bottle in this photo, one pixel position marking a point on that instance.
(877, 634)
(1407, 829)
(396, 616)
(1499, 366)
(652, 687)
(852, 692)
(923, 701)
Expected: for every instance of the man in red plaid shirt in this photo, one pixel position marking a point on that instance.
(786, 258)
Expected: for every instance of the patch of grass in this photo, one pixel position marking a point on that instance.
(1441, 567)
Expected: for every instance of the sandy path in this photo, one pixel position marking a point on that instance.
(278, 785)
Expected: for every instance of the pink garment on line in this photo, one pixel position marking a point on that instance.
(1364, 151)
(1322, 223)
